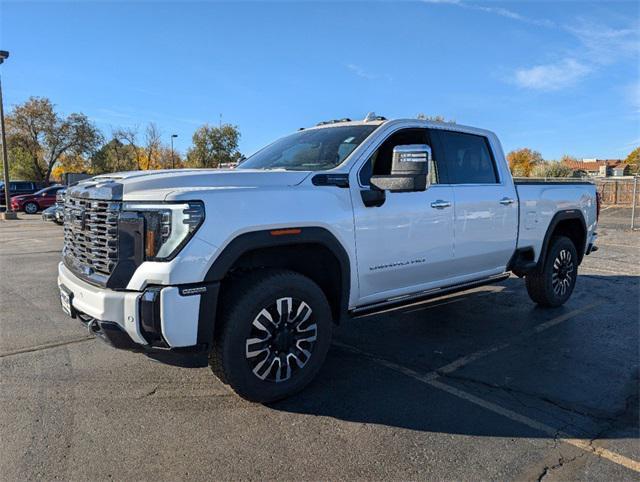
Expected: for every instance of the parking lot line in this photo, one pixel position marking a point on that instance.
(465, 360)
(45, 346)
(610, 271)
(617, 245)
(583, 444)
(430, 378)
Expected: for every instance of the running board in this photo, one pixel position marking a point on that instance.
(401, 301)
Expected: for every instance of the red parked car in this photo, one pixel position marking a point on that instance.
(32, 203)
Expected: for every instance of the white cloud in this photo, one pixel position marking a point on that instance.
(553, 76)
(361, 72)
(603, 44)
(598, 46)
(503, 12)
(633, 96)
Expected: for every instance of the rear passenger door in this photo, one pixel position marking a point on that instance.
(486, 211)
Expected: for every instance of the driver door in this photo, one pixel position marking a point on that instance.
(404, 245)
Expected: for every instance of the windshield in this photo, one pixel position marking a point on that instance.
(311, 150)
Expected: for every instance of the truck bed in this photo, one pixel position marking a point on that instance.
(540, 200)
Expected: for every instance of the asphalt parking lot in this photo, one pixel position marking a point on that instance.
(479, 386)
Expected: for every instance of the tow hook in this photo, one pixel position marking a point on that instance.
(93, 326)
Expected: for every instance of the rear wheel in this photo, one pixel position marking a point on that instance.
(554, 283)
(30, 208)
(273, 334)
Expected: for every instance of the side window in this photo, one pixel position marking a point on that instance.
(467, 157)
(379, 164)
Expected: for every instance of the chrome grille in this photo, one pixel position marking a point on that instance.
(91, 235)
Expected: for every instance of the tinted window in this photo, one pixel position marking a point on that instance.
(379, 164)
(467, 157)
(23, 186)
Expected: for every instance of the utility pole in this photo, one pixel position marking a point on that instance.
(8, 214)
(173, 162)
(633, 202)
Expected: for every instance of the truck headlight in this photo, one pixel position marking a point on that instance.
(167, 226)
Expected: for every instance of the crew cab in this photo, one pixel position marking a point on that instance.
(254, 265)
(32, 203)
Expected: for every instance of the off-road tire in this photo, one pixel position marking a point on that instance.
(541, 284)
(242, 300)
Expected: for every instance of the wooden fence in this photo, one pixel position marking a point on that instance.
(619, 192)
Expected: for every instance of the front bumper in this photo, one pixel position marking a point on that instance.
(166, 317)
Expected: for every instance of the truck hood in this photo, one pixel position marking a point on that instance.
(157, 185)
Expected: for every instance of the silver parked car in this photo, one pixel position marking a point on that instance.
(55, 213)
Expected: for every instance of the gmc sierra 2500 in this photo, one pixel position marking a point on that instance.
(254, 265)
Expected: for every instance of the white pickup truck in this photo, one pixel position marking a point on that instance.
(254, 265)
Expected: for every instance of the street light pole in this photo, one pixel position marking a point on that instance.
(173, 162)
(8, 214)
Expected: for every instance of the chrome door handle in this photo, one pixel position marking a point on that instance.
(505, 201)
(440, 204)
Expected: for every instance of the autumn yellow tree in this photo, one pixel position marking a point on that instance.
(633, 159)
(522, 161)
(70, 163)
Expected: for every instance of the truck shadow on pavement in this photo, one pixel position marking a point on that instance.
(580, 375)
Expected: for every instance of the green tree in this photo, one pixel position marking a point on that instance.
(40, 137)
(20, 165)
(633, 159)
(213, 146)
(114, 156)
(522, 161)
(551, 169)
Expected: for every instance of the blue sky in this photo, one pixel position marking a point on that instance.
(560, 77)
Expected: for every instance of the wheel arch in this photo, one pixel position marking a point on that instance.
(569, 223)
(312, 251)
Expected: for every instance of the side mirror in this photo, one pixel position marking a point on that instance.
(409, 170)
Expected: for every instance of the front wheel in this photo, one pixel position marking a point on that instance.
(552, 284)
(273, 334)
(30, 208)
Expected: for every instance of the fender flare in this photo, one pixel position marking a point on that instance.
(253, 240)
(560, 216)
